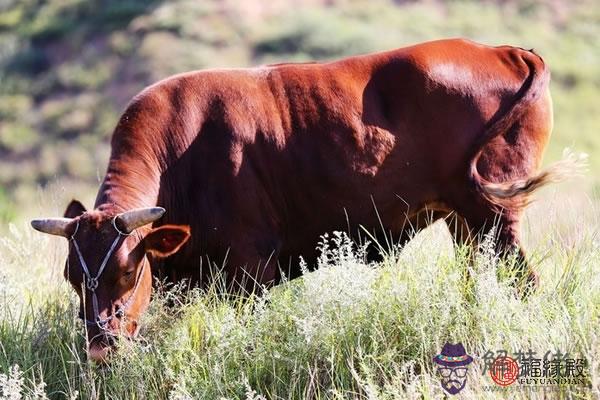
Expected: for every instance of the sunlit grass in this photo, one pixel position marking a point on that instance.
(348, 330)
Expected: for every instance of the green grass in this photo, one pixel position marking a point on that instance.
(348, 330)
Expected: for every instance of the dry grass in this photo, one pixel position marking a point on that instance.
(348, 330)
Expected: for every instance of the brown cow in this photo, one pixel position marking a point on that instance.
(257, 163)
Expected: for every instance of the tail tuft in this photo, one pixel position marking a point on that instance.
(518, 193)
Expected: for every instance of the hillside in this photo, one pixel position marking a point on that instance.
(68, 67)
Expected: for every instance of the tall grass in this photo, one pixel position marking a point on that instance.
(348, 330)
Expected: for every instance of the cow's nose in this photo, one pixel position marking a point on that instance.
(134, 329)
(98, 352)
(100, 346)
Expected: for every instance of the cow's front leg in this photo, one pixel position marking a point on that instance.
(252, 263)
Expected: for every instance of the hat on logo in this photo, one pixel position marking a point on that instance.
(453, 355)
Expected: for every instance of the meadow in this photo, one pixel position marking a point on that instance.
(348, 330)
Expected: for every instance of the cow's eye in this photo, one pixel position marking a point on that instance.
(127, 274)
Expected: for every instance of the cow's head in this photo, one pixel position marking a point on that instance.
(109, 266)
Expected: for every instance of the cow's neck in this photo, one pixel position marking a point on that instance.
(128, 184)
(144, 147)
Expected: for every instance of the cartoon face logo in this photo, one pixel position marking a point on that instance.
(452, 367)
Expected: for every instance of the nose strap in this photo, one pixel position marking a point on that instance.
(92, 282)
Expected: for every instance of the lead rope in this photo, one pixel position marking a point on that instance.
(92, 282)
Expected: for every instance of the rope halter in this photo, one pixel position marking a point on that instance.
(91, 282)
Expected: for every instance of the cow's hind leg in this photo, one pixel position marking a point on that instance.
(469, 227)
(508, 245)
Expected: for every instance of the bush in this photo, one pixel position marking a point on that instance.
(17, 137)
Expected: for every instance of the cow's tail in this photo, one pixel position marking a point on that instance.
(517, 193)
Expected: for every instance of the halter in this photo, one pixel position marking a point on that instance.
(91, 283)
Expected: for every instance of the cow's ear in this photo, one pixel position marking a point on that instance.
(74, 209)
(166, 240)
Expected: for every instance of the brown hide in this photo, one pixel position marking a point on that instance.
(260, 162)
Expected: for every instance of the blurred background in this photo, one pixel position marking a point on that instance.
(69, 67)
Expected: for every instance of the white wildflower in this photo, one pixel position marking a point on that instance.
(303, 266)
(251, 393)
(39, 391)
(11, 385)
(487, 257)
(179, 393)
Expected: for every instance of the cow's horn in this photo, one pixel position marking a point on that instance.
(53, 226)
(130, 220)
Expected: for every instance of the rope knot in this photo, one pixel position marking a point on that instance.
(92, 283)
(102, 322)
